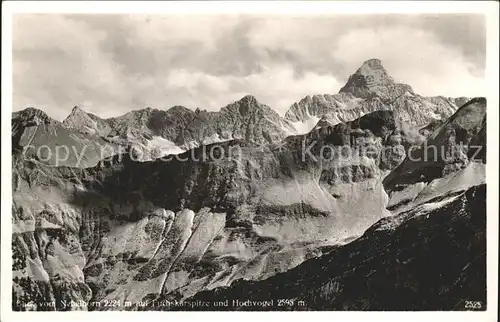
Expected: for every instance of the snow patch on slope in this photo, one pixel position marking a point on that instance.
(164, 146)
(306, 126)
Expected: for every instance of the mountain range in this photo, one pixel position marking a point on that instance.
(161, 132)
(329, 206)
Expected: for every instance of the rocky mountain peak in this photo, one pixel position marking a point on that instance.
(77, 113)
(250, 99)
(372, 65)
(85, 122)
(76, 109)
(31, 116)
(247, 105)
(373, 72)
(372, 79)
(179, 110)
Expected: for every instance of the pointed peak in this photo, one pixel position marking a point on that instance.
(248, 104)
(76, 109)
(249, 99)
(76, 114)
(372, 80)
(373, 67)
(373, 63)
(179, 109)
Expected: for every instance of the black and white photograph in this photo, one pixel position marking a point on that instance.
(243, 160)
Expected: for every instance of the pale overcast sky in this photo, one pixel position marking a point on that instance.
(111, 64)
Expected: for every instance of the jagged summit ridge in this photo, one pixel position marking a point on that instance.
(179, 128)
